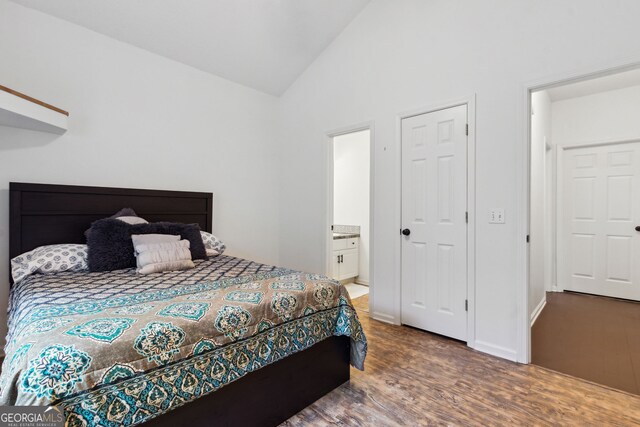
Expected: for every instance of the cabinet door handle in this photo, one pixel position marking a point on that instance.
(338, 259)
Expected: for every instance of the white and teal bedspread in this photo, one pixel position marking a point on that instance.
(119, 348)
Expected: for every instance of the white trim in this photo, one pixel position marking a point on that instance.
(370, 126)
(361, 282)
(538, 309)
(522, 230)
(383, 317)
(597, 143)
(470, 102)
(350, 129)
(523, 332)
(471, 226)
(553, 286)
(496, 350)
(560, 266)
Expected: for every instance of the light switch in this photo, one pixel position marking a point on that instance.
(496, 216)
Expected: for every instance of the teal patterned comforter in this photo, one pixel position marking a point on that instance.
(119, 348)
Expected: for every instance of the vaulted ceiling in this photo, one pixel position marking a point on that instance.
(263, 44)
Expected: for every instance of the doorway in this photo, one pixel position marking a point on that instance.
(435, 221)
(584, 281)
(349, 250)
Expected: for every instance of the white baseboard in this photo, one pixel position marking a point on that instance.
(361, 282)
(496, 350)
(538, 310)
(383, 317)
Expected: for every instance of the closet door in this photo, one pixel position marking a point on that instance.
(434, 206)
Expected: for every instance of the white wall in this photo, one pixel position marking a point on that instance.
(602, 117)
(351, 189)
(138, 120)
(539, 224)
(400, 55)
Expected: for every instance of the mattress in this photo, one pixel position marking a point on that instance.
(119, 348)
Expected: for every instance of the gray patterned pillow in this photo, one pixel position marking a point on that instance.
(50, 259)
(212, 244)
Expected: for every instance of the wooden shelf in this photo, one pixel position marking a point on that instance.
(22, 111)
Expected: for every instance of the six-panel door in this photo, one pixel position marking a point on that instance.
(599, 247)
(434, 205)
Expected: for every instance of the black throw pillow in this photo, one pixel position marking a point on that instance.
(111, 247)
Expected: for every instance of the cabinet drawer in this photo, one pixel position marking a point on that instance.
(352, 243)
(340, 244)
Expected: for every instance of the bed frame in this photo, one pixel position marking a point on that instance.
(43, 214)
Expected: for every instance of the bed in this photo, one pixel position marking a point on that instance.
(229, 342)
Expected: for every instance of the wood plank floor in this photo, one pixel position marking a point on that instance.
(590, 337)
(414, 378)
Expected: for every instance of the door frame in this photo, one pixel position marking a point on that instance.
(470, 102)
(523, 214)
(328, 241)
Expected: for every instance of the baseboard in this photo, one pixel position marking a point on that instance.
(496, 350)
(362, 282)
(382, 317)
(538, 310)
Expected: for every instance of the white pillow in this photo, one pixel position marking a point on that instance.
(144, 239)
(168, 255)
(212, 244)
(50, 259)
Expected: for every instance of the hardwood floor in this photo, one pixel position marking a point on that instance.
(590, 337)
(414, 378)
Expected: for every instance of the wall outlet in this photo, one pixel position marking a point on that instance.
(496, 216)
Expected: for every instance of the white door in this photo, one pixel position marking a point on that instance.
(434, 205)
(599, 247)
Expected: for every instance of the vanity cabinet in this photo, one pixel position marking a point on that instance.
(346, 254)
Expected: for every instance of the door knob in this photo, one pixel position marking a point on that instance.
(406, 232)
(638, 228)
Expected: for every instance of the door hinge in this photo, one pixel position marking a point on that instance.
(466, 217)
(466, 305)
(527, 238)
(466, 130)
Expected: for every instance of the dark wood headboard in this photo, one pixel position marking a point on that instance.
(44, 214)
